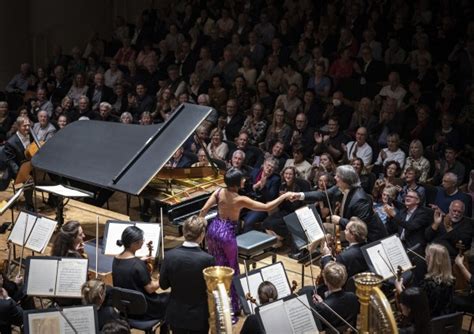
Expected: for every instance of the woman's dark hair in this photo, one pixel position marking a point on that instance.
(392, 162)
(64, 240)
(267, 292)
(130, 235)
(415, 299)
(233, 177)
(117, 326)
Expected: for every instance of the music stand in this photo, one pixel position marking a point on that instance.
(63, 192)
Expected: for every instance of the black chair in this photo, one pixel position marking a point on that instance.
(447, 324)
(133, 303)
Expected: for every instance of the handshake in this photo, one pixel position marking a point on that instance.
(292, 196)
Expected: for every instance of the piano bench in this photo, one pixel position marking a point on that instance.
(254, 246)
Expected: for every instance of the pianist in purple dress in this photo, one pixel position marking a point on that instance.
(221, 233)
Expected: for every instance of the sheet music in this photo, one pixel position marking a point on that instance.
(18, 232)
(151, 232)
(396, 253)
(274, 318)
(82, 318)
(310, 224)
(276, 274)
(254, 282)
(114, 233)
(41, 234)
(72, 274)
(11, 201)
(301, 318)
(63, 191)
(375, 253)
(44, 323)
(41, 280)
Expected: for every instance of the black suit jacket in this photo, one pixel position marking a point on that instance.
(462, 231)
(15, 153)
(107, 94)
(414, 227)
(358, 204)
(182, 271)
(10, 314)
(352, 258)
(232, 128)
(346, 304)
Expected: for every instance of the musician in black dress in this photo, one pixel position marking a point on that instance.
(130, 272)
(267, 293)
(69, 241)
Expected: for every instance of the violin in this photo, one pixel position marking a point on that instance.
(337, 232)
(460, 284)
(250, 298)
(150, 262)
(294, 286)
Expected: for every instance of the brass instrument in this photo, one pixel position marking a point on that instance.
(218, 281)
(376, 315)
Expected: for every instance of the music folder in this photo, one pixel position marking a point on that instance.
(113, 232)
(274, 273)
(384, 256)
(76, 319)
(32, 231)
(50, 276)
(291, 314)
(305, 226)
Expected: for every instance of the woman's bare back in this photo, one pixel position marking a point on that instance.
(228, 205)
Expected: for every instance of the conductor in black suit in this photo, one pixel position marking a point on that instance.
(15, 152)
(410, 222)
(355, 202)
(351, 257)
(187, 311)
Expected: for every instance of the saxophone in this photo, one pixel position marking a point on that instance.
(218, 280)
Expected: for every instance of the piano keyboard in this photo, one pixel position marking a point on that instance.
(210, 215)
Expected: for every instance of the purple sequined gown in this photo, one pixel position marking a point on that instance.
(222, 244)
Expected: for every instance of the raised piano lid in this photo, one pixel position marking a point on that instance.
(123, 157)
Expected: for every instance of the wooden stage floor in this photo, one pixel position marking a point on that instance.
(87, 215)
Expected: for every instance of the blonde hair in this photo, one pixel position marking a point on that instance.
(358, 229)
(439, 264)
(391, 191)
(335, 274)
(193, 227)
(93, 292)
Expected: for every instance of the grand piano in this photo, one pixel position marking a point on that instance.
(108, 157)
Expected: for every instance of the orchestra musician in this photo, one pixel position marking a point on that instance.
(69, 241)
(181, 270)
(130, 272)
(416, 312)
(267, 293)
(221, 233)
(10, 312)
(94, 293)
(15, 151)
(351, 257)
(464, 303)
(355, 202)
(345, 304)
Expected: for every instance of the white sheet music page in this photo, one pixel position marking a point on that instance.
(41, 277)
(63, 191)
(274, 318)
(47, 322)
(276, 274)
(114, 233)
(82, 318)
(301, 318)
(18, 232)
(151, 232)
(310, 224)
(396, 253)
(11, 201)
(72, 274)
(41, 234)
(376, 253)
(254, 281)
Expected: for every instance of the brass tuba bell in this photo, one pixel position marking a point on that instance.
(218, 281)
